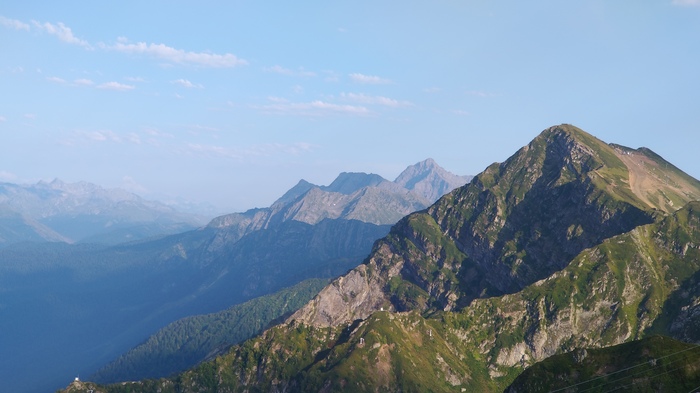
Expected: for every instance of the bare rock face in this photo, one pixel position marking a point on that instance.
(351, 196)
(431, 181)
(516, 223)
(356, 295)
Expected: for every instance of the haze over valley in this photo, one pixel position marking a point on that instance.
(349, 196)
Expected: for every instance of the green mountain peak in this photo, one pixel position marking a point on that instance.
(570, 243)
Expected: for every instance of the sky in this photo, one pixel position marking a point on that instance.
(231, 103)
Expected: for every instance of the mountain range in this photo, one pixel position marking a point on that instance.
(570, 244)
(81, 305)
(83, 212)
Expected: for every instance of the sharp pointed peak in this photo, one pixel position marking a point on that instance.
(428, 162)
(349, 182)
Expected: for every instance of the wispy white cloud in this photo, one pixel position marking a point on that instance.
(78, 138)
(178, 56)
(133, 138)
(157, 133)
(63, 33)
(291, 149)
(115, 86)
(187, 84)
(331, 76)
(286, 71)
(460, 112)
(30, 115)
(13, 24)
(83, 137)
(101, 136)
(687, 3)
(277, 99)
(55, 79)
(374, 100)
(369, 79)
(88, 82)
(263, 150)
(212, 150)
(83, 82)
(136, 79)
(160, 51)
(3, 119)
(479, 93)
(432, 90)
(313, 108)
(198, 129)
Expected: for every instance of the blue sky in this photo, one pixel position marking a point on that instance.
(233, 102)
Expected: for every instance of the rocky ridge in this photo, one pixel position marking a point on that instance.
(514, 224)
(351, 196)
(557, 248)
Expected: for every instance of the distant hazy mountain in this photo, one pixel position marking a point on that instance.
(16, 227)
(311, 231)
(430, 180)
(83, 305)
(76, 212)
(351, 196)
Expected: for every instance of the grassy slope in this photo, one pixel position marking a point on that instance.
(653, 364)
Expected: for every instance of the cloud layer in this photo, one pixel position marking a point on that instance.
(115, 86)
(159, 51)
(368, 79)
(313, 108)
(179, 56)
(63, 33)
(13, 24)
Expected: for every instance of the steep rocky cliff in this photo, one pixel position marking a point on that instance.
(514, 224)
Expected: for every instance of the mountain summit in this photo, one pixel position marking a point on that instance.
(430, 180)
(514, 224)
(352, 196)
(569, 243)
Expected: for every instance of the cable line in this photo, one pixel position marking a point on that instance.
(645, 381)
(640, 373)
(621, 371)
(694, 390)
